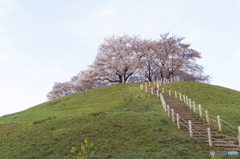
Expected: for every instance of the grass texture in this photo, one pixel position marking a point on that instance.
(119, 120)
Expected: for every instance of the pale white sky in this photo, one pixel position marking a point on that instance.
(47, 41)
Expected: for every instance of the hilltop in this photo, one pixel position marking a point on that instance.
(120, 120)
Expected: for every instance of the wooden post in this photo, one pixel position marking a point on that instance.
(175, 94)
(168, 110)
(172, 115)
(190, 104)
(180, 96)
(190, 128)
(239, 139)
(163, 90)
(184, 98)
(171, 79)
(239, 130)
(169, 93)
(152, 90)
(209, 137)
(187, 100)
(239, 135)
(149, 83)
(194, 107)
(168, 80)
(165, 106)
(163, 80)
(207, 117)
(178, 121)
(200, 110)
(219, 123)
(174, 79)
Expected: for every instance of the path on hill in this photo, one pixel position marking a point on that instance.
(199, 127)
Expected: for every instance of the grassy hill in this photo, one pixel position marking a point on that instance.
(119, 120)
(216, 99)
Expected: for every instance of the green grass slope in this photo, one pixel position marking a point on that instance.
(120, 121)
(216, 99)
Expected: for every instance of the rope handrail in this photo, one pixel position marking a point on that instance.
(229, 129)
(223, 141)
(213, 120)
(192, 123)
(203, 112)
(184, 125)
(221, 120)
(223, 135)
(202, 129)
(228, 123)
(211, 131)
(208, 113)
(193, 129)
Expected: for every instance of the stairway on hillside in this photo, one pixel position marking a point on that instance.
(199, 127)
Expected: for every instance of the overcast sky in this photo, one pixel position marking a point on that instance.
(47, 41)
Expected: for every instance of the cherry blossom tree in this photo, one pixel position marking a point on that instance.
(122, 59)
(175, 58)
(118, 59)
(60, 89)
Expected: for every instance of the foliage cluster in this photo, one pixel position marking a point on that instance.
(124, 59)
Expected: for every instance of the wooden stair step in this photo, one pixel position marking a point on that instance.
(225, 142)
(194, 122)
(189, 116)
(217, 135)
(172, 101)
(227, 146)
(232, 149)
(196, 129)
(192, 119)
(200, 132)
(186, 113)
(199, 135)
